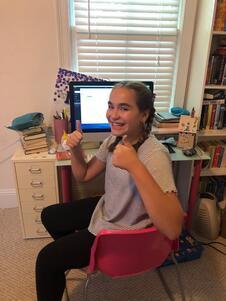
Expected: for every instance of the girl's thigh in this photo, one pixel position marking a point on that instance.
(65, 218)
(70, 251)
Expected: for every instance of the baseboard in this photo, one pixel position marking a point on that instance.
(8, 198)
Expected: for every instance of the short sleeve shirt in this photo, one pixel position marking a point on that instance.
(121, 206)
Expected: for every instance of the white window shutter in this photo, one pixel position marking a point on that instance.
(128, 40)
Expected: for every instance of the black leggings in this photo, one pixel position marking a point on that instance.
(67, 224)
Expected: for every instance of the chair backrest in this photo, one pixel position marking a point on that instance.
(120, 253)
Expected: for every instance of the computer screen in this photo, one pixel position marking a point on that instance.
(89, 103)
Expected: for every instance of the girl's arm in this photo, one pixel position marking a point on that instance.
(163, 208)
(82, 171)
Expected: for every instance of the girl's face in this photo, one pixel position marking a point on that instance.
(123, 114)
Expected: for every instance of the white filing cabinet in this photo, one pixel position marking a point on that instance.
(37, 187)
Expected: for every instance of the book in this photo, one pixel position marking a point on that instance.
(223, 160)
(35, 146)
(214, 94)
(158, 124)
(221, 153)
(216, 155)
(35, 136)
(32, 130)
(216, 116)
(204, 115)
(33, 141)
(36, 150)
(212, 115)
(209, 116)
(220, 124)
(166, 117)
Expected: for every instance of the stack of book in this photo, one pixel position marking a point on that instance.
(213, 185)
(213, 109)
(217, 152)
(220, 17)
(216, 72)
(165, 120)
(34, 140)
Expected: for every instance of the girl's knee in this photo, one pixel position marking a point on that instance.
(47, 214)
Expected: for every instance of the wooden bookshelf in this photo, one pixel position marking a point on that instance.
(206, 172)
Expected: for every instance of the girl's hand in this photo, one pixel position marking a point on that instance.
(124, 155)
(75, 138)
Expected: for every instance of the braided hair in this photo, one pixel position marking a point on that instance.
(145, 102)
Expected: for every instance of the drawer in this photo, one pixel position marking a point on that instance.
(33, 228)
(35, 174)
(38, 195)
(35, 207)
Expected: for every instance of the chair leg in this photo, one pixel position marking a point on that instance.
(66, 295)
(165, 285)
(85, 293)
(178, 277)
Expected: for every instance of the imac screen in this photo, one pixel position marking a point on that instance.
(89, 103)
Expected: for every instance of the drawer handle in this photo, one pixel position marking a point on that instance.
(36, 183)
(35, 170)
(38, 196)
(38, 208)
(38, 220)
(40, 231)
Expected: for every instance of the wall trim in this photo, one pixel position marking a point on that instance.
(8, 198)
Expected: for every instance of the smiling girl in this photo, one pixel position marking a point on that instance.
(139, 189)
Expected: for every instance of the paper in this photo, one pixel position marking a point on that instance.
(186, 140)
(188, 124)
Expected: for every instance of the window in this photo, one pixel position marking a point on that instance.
(131, 40)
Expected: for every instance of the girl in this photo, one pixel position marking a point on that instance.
(139, 189)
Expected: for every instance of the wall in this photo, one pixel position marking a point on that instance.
(29, 59)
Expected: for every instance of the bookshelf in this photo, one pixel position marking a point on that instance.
(207, 41)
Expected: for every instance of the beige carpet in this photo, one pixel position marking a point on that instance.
(204, 279)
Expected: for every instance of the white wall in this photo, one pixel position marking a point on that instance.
(29, 60)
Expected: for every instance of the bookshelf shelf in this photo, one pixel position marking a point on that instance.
(212, 133)
(219, 33)
(220, 87)
(213, 172)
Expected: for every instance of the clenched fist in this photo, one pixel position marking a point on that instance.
(124, 155)
(75, 138)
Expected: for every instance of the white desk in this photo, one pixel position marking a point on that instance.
(41, 180)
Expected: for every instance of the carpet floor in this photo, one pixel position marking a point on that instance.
(204, 279)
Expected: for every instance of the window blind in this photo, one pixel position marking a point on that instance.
(128, 40)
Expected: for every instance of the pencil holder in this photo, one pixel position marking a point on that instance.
(59, 126)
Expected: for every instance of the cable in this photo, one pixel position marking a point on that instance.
(209, 244)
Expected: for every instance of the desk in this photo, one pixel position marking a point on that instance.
(41, 180)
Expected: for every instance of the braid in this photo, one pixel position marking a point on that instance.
(112, 146)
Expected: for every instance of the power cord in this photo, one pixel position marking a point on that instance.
(210, 244)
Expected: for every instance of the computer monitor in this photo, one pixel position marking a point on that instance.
(89, 103)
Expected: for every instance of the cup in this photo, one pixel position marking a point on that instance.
(60, 125)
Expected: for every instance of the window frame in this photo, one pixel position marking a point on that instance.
(67, 56)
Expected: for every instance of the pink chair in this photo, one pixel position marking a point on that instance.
(120, 253)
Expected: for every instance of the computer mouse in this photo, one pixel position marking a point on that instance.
(189, 152)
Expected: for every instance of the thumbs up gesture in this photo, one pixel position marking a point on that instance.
(75, 138)
(124, 155)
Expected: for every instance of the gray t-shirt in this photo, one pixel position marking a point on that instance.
(121, 207)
